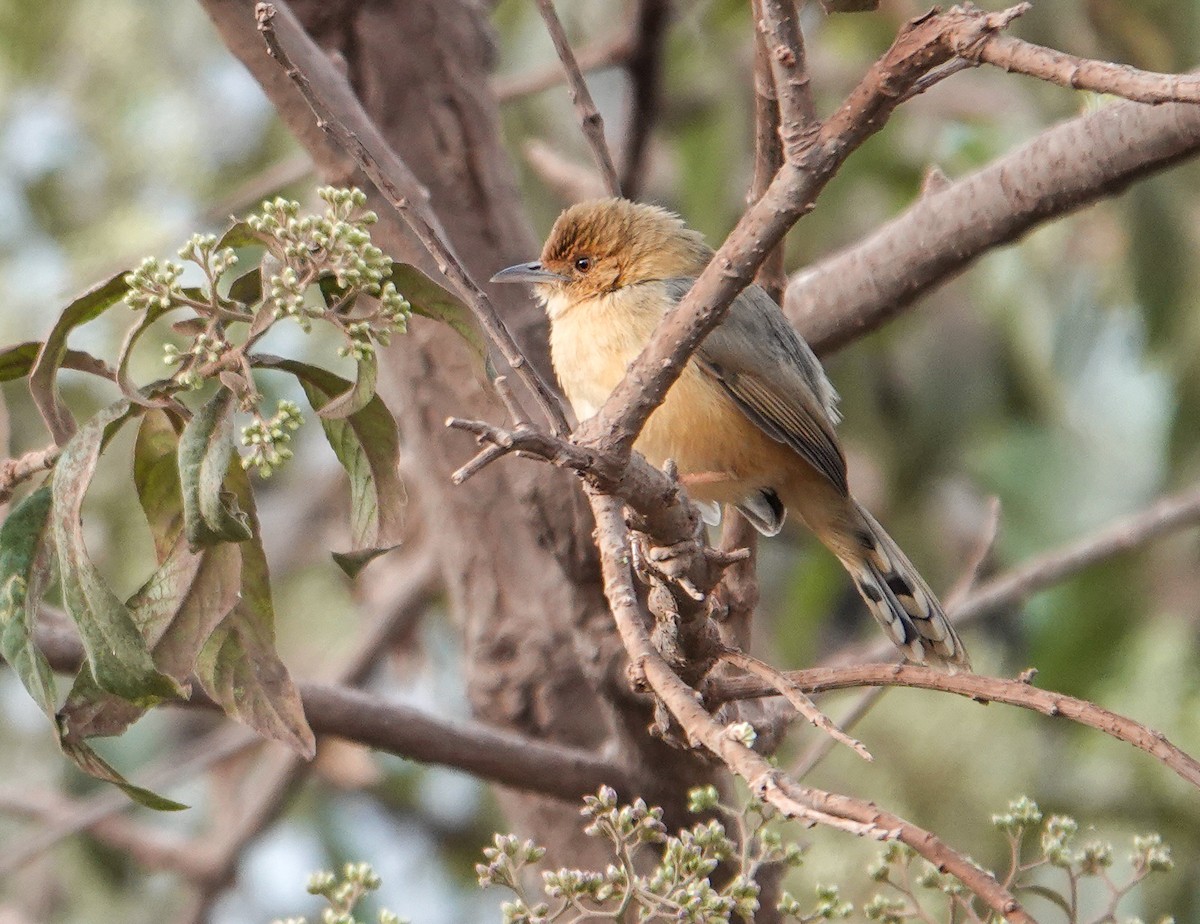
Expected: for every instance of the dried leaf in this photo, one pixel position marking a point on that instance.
(116, 652)
(238, 666)
(43, 384)
(368, 446)
(176, 610)
(210, 513)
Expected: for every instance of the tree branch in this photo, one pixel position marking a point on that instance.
(590, 119)
(491, 754)
(340, 116)
(973, 686)
(1065, 168)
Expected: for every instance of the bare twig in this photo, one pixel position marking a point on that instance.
(1163, 516)
(1017, 692)
(778, 29)
(644, 67)
(22, 468)
(610, 52)
(590, 119)
(340, 115)
(801, 703)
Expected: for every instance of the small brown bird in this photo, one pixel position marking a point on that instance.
(750, 422)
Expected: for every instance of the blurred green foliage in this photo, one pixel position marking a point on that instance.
(1061, 375)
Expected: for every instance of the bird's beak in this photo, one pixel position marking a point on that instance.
(527, 272)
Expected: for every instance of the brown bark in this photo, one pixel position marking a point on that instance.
(514, 543)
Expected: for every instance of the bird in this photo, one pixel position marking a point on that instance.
(750, 420)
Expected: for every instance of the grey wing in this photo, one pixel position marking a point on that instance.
(775, 379)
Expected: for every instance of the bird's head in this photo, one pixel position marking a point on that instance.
(600, 246)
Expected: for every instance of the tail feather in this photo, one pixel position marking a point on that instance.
(901, 601)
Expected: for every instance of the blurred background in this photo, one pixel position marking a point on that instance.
(1060, 375)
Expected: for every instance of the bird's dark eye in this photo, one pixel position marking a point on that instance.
(583, 264)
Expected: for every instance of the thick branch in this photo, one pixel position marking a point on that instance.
(497, 756)
(974, 686)
(1061, 170)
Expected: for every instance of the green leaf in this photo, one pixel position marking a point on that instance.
(94, 765)
(156, 478)
(359, 396)
(430, 300)
(17, 361)
(210, 513)
(368, 446)
(116, 652)
(238, 666)
(247, 288)
(240, 235)
(43, 384)
(24, 575)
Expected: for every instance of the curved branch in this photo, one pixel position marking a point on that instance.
(974, 686)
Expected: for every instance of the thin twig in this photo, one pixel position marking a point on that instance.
(590, 120)
(350, 127)
(1017, 692)
(644, 67)
(801, 703)
(24, 467)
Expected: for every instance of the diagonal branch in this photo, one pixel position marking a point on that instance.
(342, 118)
(922, 45)
(590, 120)
(606, 53)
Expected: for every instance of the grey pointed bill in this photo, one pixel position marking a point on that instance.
(527, 272)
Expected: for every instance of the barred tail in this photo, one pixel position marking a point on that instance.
(900, 600)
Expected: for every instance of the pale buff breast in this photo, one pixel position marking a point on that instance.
(592, 343)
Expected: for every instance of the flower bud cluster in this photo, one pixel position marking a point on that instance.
(154, 285)
(344, 894)
(202, 250)
(268, 439)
